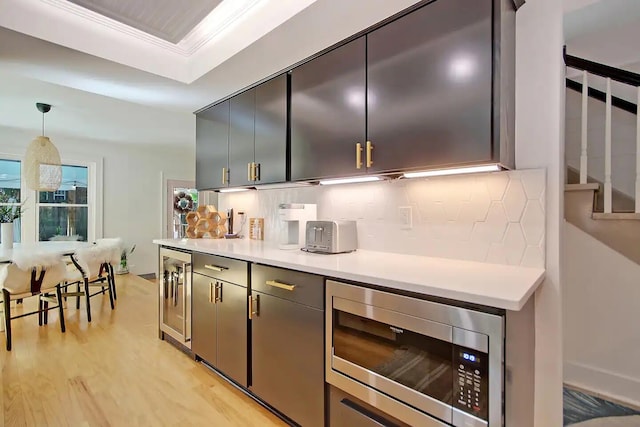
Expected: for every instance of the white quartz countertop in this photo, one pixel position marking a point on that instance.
(494, 285)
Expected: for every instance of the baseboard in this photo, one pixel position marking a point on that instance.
(608, 385)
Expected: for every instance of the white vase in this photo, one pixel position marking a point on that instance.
(6, 235)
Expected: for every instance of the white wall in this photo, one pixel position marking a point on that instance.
(132, 185)
(495, 217)
(539, 144)
(601, 303)
(623, 145)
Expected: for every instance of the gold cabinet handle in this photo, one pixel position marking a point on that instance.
(358, 155)
(224, 176)
(256, 171)
(217, 294)
(280, 285)
(215, 267)
(250, 171)
(210, 291)
(251, 312)
(369, 154)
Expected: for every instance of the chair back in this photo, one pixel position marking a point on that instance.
(91, 260)
(116, 244)
(32, 273)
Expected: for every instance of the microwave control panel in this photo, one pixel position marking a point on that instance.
(470, 382)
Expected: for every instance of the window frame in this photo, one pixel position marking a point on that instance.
(30, 223)
(20, 202)
(90, 205)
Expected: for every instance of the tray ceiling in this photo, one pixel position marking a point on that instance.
(168, 20)
(216, 30)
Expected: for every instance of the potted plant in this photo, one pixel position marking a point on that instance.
(123, 268)
(8, 214)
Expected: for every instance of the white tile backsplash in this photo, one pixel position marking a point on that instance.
(496, 217)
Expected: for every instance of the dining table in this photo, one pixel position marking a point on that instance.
(62, 248)
(48, 247)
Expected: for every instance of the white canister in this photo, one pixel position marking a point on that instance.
(6, 235)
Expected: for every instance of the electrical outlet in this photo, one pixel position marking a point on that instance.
(406, 220)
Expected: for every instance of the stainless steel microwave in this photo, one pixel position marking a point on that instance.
(425, 363)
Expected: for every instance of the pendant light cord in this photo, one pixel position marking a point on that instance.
(42, 124)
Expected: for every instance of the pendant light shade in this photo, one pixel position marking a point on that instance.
(43, 168)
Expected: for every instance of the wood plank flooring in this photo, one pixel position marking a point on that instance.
(113, 372)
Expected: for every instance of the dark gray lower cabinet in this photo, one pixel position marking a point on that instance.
(287, 358)
(232, 331)
(204, 337)
(219, 326)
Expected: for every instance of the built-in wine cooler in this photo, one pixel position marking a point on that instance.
(175, 295)
(422, 362)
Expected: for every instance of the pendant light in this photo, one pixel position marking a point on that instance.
(43, 168)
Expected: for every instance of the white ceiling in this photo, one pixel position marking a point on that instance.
(95, 96)
(168, 20)
(605, 31)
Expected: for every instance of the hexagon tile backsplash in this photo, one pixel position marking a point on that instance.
(496, 217)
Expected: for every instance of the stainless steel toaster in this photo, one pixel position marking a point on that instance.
(331, 237)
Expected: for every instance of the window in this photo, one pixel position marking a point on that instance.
(64, 214)
(10, 188)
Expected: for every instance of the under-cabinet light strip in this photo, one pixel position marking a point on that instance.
(232, 190)
(350, 180)
(453, 171)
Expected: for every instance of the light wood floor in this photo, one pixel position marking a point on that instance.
(113, 372)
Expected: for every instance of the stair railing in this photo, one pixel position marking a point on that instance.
(609, 73)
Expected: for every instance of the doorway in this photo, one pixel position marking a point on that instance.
(181, 198)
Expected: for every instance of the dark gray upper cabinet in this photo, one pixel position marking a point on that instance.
(212, 147)
(429, 89)
(271, 131)
(328, 107)
(258, 134)
(429, 82)
(241, 138)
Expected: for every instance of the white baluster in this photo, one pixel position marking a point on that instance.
(638, 156)
(607, 152)
(583, 145)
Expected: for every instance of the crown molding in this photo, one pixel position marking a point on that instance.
(214, 24)
(223, 16)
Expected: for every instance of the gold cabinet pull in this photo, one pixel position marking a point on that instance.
(215, 267)
(217, 297)
(210, 291)
(358, 155)
(250, 171)
(280, 285)
(369, 154)
(251, 312)
(224, 176)
(256, 171)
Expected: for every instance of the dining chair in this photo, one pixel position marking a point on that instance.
(32, 275)
(93, 269)
(116, 244)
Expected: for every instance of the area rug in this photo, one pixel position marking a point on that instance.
(584, 410)
(622, 421)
